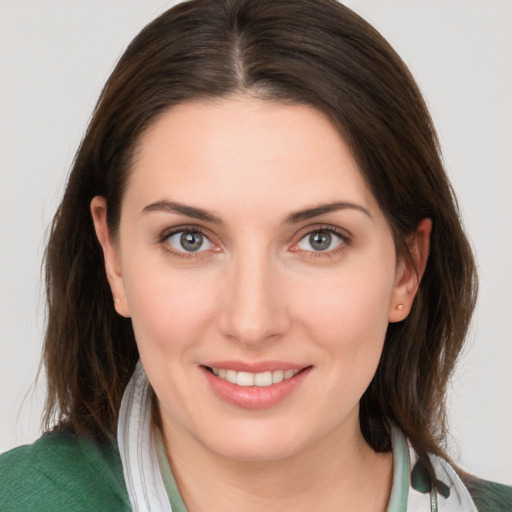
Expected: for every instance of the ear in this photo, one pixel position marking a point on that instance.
(110, 255)
(408, 275)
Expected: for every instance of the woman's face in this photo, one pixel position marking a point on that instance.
(259, 274)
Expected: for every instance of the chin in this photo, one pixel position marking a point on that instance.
(256, 452)
(258, 441)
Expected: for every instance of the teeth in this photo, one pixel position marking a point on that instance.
(263, 379)
(288, 374)
(247, 379)
(231, 376)
(278, 376)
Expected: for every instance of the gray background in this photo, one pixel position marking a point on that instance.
(56, 55)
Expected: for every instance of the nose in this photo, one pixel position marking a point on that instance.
(254, 306)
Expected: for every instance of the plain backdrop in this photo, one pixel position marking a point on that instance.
(54, 59)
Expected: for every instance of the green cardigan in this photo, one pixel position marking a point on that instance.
(62, 472)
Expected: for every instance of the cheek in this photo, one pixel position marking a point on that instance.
(169, 309)
(347, 316)
(348, 325)
(351, 303)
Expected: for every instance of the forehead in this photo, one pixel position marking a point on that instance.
(245, 152)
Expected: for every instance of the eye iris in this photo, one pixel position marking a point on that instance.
(191, 241)
(320, 240)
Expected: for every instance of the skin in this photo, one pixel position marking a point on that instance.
(258, 291)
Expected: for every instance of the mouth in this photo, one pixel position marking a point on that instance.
(249, 379)
(265, 386)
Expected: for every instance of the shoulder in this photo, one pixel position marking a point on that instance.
(453, 488)
(61, 471)
(485, 496)
(489, 496)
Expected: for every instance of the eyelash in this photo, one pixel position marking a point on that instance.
(162, 239)
(345, 238)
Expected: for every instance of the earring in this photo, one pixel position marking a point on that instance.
(400, 307)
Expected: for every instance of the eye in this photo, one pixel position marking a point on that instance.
(320, 240)
(189, 241)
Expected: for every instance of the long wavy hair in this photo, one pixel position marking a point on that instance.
(313, 52)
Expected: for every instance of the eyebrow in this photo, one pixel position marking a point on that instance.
(183, 209)
(293, 218)
(322, 209)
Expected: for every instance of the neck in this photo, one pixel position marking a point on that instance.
(339, 472)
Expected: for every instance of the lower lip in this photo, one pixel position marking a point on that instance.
(255, 397)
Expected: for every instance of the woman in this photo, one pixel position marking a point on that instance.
(258, 212)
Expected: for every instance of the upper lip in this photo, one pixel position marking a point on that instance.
(255, 367)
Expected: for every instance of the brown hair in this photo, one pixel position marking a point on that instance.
(314, 52)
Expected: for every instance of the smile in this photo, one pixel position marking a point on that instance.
(248, 379)
(254, 386)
